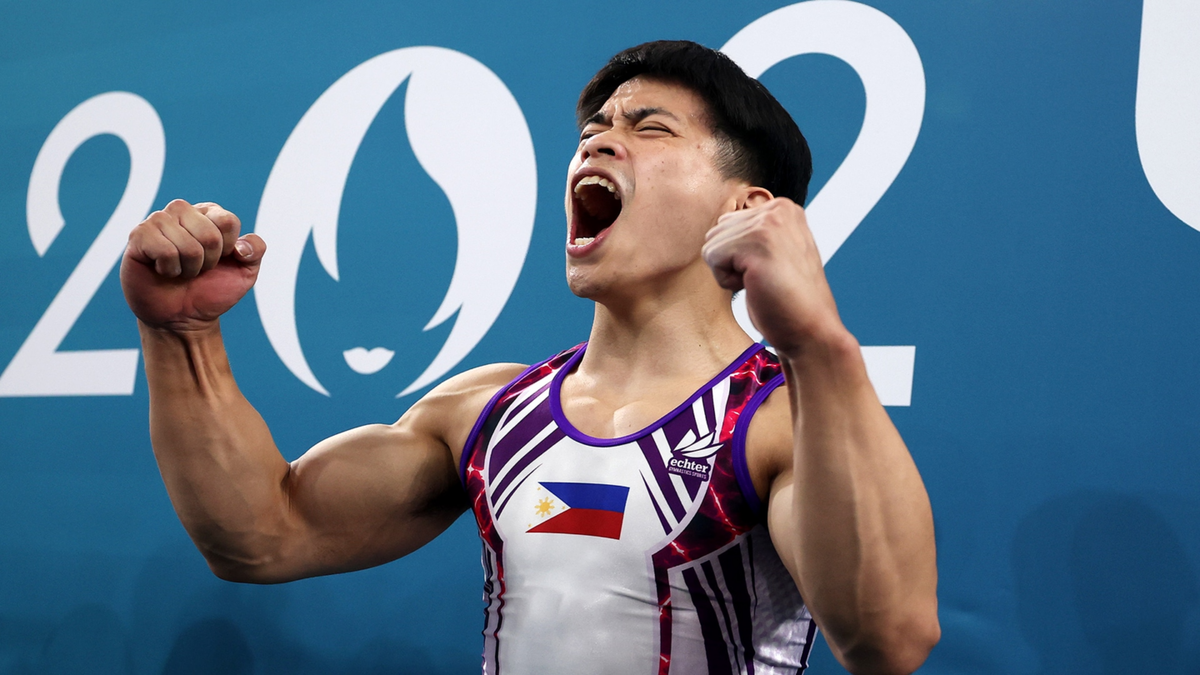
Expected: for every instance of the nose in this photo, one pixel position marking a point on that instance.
(603, 143)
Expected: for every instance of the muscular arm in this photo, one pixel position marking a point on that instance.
(847, 510)
(358, 499)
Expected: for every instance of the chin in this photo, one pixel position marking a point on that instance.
(582, 284)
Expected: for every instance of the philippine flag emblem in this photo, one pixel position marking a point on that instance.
(593, 509)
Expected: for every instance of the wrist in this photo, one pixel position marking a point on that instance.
(832, 344)
(186, 359)
(184, 331)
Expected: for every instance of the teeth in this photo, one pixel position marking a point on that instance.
(597, 180)
(584, 241)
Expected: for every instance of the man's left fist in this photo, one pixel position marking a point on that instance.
(769, 251)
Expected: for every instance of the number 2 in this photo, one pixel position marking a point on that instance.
(39, 368)
(886, 59)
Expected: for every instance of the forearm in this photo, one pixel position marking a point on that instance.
(223, 473)
(864, 543)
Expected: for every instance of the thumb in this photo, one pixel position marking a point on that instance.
(249, 249)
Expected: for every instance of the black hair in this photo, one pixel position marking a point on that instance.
(762, 143)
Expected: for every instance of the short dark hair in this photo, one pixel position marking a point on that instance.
(762, 143)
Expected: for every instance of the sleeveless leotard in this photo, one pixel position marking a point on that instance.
(641, 554)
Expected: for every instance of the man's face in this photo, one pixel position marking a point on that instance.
(642, 190)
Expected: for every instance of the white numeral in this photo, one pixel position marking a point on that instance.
(39, 369)
(886, 59)
(1167, 111)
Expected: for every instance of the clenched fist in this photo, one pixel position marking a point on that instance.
(185, 266)
(769, 251)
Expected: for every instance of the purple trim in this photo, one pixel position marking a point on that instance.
(740, 469)
(468, 449)
(570, 430)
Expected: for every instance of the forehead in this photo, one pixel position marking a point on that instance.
(647, 94)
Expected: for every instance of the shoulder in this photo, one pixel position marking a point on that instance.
(462, 389)
(450, 409)
(769, 441)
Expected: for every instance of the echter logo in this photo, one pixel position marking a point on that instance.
(691, 468)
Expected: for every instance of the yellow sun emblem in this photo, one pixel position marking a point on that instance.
(545, 506)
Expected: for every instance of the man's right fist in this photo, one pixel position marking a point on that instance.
(185, 266)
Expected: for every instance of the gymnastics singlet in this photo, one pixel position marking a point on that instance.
(644, 554)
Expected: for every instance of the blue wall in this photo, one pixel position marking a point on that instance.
(1053, 300)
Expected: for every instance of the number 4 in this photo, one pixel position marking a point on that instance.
(39, 368)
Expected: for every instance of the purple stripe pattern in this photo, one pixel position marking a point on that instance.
(521, 433)
(714, 642)
(735, 580)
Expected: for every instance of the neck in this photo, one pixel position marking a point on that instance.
(684, 331)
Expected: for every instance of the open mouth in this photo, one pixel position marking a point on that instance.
(597, 205)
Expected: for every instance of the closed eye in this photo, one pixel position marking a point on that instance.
(588, 132)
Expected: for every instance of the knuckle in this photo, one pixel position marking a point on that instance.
(228, 223)
(191, 249)
(210, 239)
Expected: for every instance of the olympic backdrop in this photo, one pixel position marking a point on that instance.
(1007, 196)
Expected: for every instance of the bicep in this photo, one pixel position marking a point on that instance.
(785, 537)
(372, 494)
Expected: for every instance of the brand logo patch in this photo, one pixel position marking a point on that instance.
(690, 458)
(689, 467)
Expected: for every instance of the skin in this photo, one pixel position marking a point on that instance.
(847, 510)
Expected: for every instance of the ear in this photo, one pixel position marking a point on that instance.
(753, 196)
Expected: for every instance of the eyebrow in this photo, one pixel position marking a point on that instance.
(631, 116)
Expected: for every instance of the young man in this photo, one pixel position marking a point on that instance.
(656, 500)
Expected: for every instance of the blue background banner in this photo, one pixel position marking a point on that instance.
(1033, 262)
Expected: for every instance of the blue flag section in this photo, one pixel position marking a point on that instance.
(1006, 196)
(591, 496)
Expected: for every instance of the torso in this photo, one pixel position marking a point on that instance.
(639, 554)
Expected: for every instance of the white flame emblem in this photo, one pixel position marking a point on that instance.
(459, 116)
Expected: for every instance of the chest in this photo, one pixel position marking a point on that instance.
(604, 413)
(550, 489)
